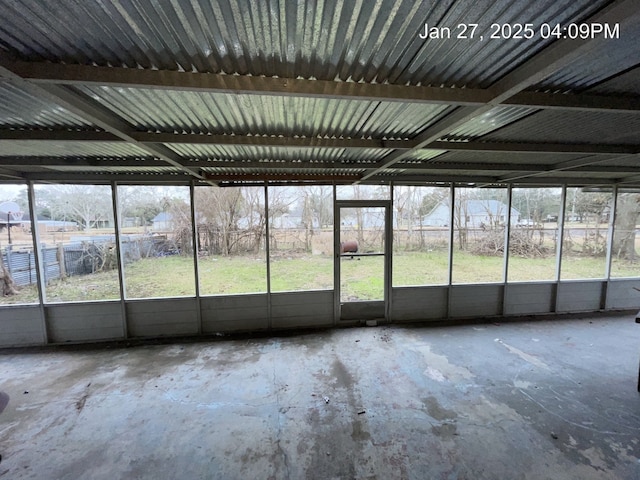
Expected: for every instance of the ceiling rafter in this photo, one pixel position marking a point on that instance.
(310, 142)
(584, 165)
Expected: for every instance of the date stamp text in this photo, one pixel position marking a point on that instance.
(521, 31)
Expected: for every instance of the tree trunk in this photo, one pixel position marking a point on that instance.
(625, 226)
(6, 282)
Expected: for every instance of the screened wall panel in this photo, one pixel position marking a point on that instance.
(585, 236)
(77, 242)
(301, 238)
(231, 233)
(479, 222)
(625, 259)
(421, 218)
(19, 284)
(156, 241)
(533, 236)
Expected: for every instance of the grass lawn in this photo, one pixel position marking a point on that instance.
(361, 279)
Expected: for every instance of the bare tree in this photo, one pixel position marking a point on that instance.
(138, 203)
(8, 286)
(626, 221)
(88, 205)
(219, 211)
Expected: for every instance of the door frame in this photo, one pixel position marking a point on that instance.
(388, 237)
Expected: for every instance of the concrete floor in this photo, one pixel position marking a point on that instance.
(538, 400)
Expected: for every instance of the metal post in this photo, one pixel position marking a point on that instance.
(119, 256)
(267, 252)
(559, 244)
(388, 257)
(9, 227)
(336, 258)
(40, 278)
(609, 256)
(507, 239)
(452, 199)
(194, 241)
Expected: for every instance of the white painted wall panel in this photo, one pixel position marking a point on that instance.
(20, 325)
(476, 300)
(579, 296)
(239, 313)
(362, 310)
(160, 317)
(80, 322)
(622, 294)
(529, 298)
(418, 303)
(302, 309)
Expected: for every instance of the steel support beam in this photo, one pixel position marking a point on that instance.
(151, 138)
(88, 75)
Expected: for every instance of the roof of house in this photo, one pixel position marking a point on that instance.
(163, 217)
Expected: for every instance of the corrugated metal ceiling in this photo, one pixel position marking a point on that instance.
(70, 149)
(192, 112)
(603, 58)
(250, 153)
(366, 43)
(359, 40)
(488, 122)
(572, 127)
(21, 109)
(505, 158)
(626, 84)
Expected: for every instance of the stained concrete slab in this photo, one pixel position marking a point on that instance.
(535, 400)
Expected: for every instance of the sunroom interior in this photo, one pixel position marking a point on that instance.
(182, 177)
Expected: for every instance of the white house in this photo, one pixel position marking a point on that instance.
(471, 213)
(162, 221)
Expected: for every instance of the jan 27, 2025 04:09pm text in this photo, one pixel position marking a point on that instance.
(522, 31)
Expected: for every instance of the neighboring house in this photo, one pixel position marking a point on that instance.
(472, 213)
(287, 220)
(292, 219)
(162, 221)
(370, 219)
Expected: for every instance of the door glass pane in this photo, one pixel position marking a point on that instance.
(362, 254)
(363, 192)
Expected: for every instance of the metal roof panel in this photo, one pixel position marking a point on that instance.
(19, 108)
(239, 153)
(572, 127)
(46, 148)
(359, 40)
(197, 112)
